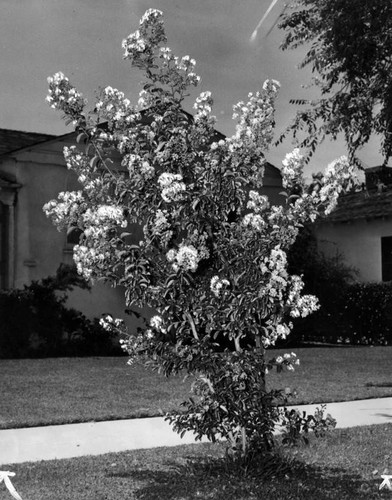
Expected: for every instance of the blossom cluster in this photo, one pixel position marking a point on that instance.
(143, 49)
(172, 187)
(288, 360)
(161, 227)
(186, 258)
(257, 202)
(323, 192)
(179, 72)
(274, 267)
(64, 97)
(217, 284)
(109, 323)
(203, 109)
(139, 45)
(292, 170)
(255, 119)
(105, 215)
(300, 305)
(75, 159)
(140, 170)
(254, 221)
(91, 261)
(338, 173)
(276, 329)
(113, 106)
(66, 212)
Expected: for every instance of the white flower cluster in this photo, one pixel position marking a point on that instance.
(324, 192)
(187, 258)
(282, 330)
(180, 72)
(258, 203)
(216, 145)
(63, 96)
(300, 306)
(161, 227)
(254, 221)
(276, 330)
(255, 119)
(172, 187)
(109, 323)
(139, 169)
(75, 159)
(142, 49)
(156, 323)
(203, 107)
(139, 45)
(114, 106)
(292, 171)
(98, 224)
(146, 100)
(217, 284)
(271, 85)
(90, 260)
(275, 267)
(105, 214)
(65, 213)
(288, 360)
(338, 173)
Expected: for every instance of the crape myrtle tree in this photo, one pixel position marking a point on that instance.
(212, 258)
(349, 50)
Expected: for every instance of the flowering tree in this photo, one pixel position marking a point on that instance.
(212, 259)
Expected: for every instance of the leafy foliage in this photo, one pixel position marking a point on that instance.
(36, 322)
(328, 278)
(296, 425)
(351, 312)
(349, 49)
(204, 248)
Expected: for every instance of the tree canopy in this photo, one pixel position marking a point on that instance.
(350, 54)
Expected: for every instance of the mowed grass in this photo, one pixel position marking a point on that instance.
(347, 464)
(64, 390)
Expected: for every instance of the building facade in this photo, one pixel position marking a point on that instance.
(360, 228)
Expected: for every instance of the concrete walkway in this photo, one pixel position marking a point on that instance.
(95, 438)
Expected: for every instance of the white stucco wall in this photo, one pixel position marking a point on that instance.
(360, 243)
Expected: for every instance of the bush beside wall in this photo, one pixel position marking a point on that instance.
(350, 312)
(35, 321)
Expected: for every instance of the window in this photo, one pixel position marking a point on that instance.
(3, 246)
(386, 258)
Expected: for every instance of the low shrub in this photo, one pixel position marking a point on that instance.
(35, 321)
(366, 314)
(350, 312)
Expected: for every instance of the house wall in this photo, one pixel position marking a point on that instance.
(360, 243)
(39, 247)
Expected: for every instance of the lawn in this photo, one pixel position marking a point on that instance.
(54, 391)
(347, 464)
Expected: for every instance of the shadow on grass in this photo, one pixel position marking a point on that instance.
(274, 478)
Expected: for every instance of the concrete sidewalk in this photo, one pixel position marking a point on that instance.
(95, 438)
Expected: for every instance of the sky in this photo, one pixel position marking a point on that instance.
(82, 38)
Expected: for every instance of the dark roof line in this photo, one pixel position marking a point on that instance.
(14, 140)
(366, 204)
